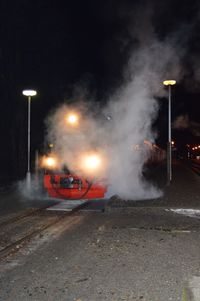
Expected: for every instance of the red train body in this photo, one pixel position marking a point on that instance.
(68, 186)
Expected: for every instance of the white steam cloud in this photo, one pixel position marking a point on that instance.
(183, 122)
(132, 109)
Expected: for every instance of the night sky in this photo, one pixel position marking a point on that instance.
(65, 49)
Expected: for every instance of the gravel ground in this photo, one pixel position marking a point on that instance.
(141, 253)
(149, 254)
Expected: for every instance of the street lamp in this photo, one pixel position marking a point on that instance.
(29, 94)
(169, 83)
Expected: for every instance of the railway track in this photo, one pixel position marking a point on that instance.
(24, 214)
(194, 165)
(18, 244)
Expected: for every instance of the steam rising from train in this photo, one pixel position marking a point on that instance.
(104, 147)
(104, 143)
(107, 144)
(131, 110)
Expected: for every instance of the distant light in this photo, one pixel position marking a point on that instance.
(173, 142)
(29, 92)
(108, 117)
(169, 82)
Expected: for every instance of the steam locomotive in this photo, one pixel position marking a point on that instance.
(85, 181)
(64, 184)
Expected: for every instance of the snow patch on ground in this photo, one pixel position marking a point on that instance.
(195, 213)
(194, 286)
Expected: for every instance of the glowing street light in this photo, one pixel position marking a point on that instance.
(169, 83)
(29, 94)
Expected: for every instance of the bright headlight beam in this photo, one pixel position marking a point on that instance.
(91, 162)
(49, 162)
(72, 119)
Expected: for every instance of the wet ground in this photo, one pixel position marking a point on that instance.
(130, 250)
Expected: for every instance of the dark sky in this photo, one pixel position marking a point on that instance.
(60, 47)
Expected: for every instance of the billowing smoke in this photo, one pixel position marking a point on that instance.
(134, 109)
(73, 139)
(132, 115)
(183, 122)
(131, 110)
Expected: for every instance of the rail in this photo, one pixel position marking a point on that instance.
(15, 246)
(194, 165)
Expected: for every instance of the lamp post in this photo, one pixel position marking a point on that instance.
(29, 94)
(169, 83)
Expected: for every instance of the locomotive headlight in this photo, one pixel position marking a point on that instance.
(49, 162)
(72, 119)
(91, 163)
